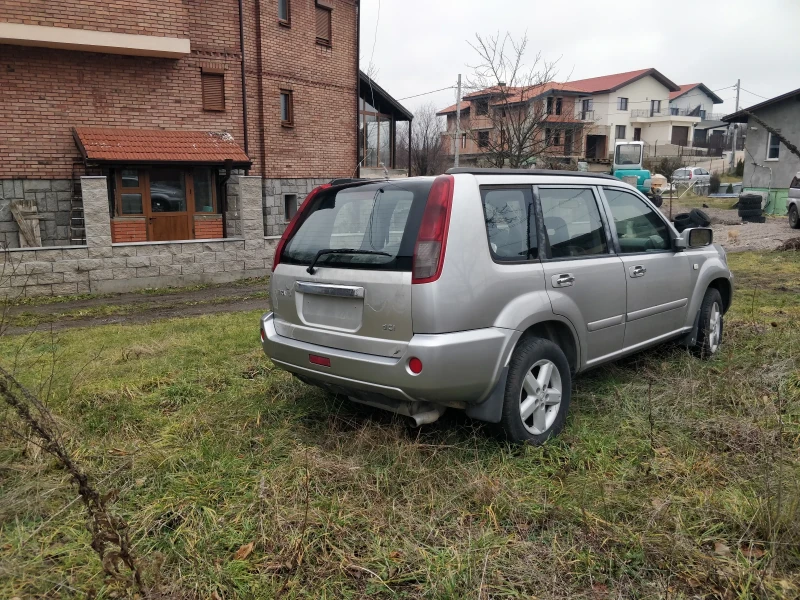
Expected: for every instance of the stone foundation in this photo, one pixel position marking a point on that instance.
(53, 201)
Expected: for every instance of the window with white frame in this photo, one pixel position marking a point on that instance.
(622, 103)
(773, 147)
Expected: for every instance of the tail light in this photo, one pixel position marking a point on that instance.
(690, 174)
(432, 237)
(295, 223)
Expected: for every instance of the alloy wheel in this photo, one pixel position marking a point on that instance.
(540, 397)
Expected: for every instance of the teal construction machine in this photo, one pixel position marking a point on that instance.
(628, 159)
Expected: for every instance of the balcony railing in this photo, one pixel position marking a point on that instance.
(667, 112)
(586, 115)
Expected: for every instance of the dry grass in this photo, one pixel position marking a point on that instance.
(673, 478)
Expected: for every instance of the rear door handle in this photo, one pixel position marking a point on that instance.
(563, 280)
(637, 271)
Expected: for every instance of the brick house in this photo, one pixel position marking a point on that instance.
(169, 101)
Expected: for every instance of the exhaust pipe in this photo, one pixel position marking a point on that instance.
(422, 413)
(429, 416)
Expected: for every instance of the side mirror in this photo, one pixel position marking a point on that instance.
(698, 237)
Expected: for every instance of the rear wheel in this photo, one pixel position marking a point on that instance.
(537, 392)
(794, 217)
(709, 334)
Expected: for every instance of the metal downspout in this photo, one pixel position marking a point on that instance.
(244, 80)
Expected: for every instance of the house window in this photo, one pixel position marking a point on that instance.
(587, 106)
(702, 114)
(773, 147)
(323, 25)
(556, 138)
(548, 136)
(655, 107)
(289, 206)
(482, 107)
(213, 91)
(483, 139)
(284, 16)
(549, 105)
(131, 192)
(558, 105)
(503, 137)
(287, 108)
(620, 132)
(622, 104)
(463, 140)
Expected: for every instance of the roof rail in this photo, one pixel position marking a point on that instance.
(538, 172)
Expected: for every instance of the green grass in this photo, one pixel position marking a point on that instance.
(664, 458)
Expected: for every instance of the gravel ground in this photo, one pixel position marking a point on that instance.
(736, 236)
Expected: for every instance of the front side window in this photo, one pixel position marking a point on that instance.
(622, 103)
(639, 228)
(572, 221)
(510, 224)
(773, 147)
(628, 154)
(795, 182)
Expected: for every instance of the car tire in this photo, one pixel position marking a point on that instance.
(749, 202)
(750, 212)
(699, 218)
(537, 373)
(794, 217)
(710, 327)
(682, 221)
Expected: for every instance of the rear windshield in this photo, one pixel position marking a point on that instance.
(681, 173)
(378, 217)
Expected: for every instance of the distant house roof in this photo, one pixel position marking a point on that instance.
(514, 95)
(374, 94)
(688, 87)
(710, 124)
(610, 83)
(741, 117)
(144, 146)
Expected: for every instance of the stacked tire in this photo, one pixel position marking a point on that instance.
(695, 218)
(750, 208)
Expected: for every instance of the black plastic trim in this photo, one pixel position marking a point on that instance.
(533, 172)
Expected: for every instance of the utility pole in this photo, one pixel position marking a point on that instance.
(458, 120)
(733, 138)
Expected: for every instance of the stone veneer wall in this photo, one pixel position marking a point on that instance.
(53, 200)
(101, 266)
(274, 192)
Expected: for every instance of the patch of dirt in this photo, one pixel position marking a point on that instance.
(737, 236)
(140, 308)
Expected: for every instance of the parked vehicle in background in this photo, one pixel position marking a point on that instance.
(629, 167)
(485, 290)
(695, 175)
(793, 203)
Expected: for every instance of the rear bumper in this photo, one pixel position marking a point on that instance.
(458, 368)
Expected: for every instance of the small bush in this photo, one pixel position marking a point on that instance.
(740, 168)
(713, 185)
(730, 189)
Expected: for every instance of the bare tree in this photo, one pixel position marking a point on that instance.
(516, 117)
(428, 155)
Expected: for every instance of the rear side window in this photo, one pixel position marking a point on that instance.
(381, 217)
(572, 221)
(510, 224)
(682, 173)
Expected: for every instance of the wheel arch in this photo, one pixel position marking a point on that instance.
(725, 289)
(561, 335)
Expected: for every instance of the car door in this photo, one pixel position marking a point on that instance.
(585, 278)
(658, 278)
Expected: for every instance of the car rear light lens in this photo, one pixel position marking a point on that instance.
(415, 366)
(690, 174)
(432, 239)
(263, 337)
(294, 224)
(322, 361)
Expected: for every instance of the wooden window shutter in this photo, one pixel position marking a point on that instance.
(323, 24)
(213, 91)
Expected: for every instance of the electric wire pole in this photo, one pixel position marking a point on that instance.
(733, 143)
(458, 120)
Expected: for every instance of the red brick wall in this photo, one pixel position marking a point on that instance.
(128, 230)
(207, 228)
(52, 91)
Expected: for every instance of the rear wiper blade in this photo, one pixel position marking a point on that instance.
(325, 251)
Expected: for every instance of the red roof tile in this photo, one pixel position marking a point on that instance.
(609, 83)
(158, 145)
(684, 88)
(515, 94)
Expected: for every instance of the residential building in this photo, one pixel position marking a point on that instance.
(769, 166)
(170, 100)
(556, 123)
(696, 99)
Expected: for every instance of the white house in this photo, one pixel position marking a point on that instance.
(697, 99)
(632, 106)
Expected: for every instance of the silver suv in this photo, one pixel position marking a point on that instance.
(485, 290)
(793, 203)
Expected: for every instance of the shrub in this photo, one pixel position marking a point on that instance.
(730, 189)
(740, 168)
(713, 185)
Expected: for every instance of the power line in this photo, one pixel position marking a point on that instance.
(450, 87)
(725, 88)
(754, 94)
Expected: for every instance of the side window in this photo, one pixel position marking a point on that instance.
(510, 224)
(573, 224)
(639, 228)
(795, 182)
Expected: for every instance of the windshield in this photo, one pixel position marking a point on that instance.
(378, 217)
(628, 154)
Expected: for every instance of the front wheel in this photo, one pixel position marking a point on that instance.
(794, 217)
(709, 334)
(537, 393)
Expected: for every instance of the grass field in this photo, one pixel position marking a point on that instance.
(674, 478)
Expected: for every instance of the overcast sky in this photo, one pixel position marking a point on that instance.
(421, 45)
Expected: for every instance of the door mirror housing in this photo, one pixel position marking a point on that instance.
(699, 237)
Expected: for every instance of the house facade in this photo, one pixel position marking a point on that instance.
(170, 101)
(697, 99)
(769, 166)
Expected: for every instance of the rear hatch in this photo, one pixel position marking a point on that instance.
(360, 240)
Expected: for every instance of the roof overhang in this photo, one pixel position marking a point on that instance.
(741, 117)
(85, 40)
(705, 89)
(159, 147)
(401, 113)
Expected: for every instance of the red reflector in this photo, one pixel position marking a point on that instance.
(263, 337)
(415, 365)
(319, 360)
